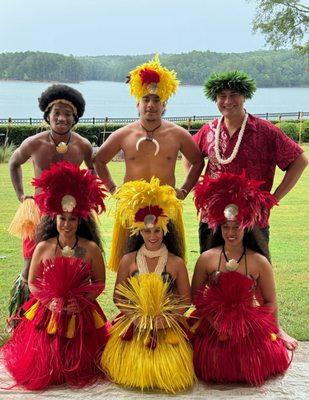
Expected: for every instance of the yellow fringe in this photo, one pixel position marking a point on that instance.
(98, 320)
(30, 313)
(168, 367)
(132, 363)
(26, 219)
(52, 325)
(71, 327)
(120, 235)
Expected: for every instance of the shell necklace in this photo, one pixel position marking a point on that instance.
(232, 264)
(67, 251)
(236, 148)
(149, 138)
(141, 262)
(61, 147)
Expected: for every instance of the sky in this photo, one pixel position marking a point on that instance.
(127, 27)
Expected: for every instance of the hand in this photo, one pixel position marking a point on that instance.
(181, 194)
(160, 322)
(112, 189)
(24, 197)
(72, 306)
(54, 305)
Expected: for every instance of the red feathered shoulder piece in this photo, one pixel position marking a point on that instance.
(213, 195)
(66, 179)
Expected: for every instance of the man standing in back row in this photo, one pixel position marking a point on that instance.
(62, 107)
(151, 144)
(239, 142)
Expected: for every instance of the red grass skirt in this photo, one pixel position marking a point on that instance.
(39, 353)
(236, 340)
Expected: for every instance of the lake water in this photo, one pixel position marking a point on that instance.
(111, 99)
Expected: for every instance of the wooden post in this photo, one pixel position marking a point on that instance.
(301, 118)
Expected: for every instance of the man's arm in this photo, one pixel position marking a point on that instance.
(19, 157)
(88, 153)
(104, 155)
(195, 163)
(291, 176)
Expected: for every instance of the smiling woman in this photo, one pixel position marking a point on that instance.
(67, 273)
(148, 348)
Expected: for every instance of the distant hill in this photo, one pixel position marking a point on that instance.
(282, 68)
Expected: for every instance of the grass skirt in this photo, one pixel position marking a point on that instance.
(50, 348)
(140, 356)
(236, 340)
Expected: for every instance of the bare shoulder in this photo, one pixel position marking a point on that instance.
(41, 247)
(89, 245)
(128, 258)
(210, 254)
(124, 130)
(36, 140)
(81, 140)
(171, 126)
(258, 259)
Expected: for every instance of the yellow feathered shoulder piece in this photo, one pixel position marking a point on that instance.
(139, 199)
(153, 78)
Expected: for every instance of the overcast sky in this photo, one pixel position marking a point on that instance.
(97, 27)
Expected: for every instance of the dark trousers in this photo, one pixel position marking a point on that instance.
(204, 232)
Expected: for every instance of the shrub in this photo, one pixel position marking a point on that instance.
(6, 152)
(305, 131)
(291, 129)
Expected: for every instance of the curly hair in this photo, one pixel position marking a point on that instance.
(86, 229)
(171, 241)
(57, 92)
(253, 240)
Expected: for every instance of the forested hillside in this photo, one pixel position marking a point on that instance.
(282, 68)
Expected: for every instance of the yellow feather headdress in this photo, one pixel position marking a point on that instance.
(141, 203)
(153, 78)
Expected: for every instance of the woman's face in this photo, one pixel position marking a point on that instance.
(152, 237)
(67, 224)
(232, 234)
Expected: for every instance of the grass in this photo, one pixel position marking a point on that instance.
(289, 246)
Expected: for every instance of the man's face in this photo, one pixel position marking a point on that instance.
(150, 107)
(230, 103)
(61, 118)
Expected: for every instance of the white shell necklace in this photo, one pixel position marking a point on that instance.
(236, 148)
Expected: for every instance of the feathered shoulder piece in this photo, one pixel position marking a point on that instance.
(234, 197)
(64, 187)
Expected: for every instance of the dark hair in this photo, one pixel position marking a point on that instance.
(253, 240)
(57, 92)
(86, 229)
(171, 240)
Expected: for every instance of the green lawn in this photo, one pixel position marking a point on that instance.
(289, 247)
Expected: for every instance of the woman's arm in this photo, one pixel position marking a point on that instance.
(123, 274)
(97, 268)
(35, 266)
(182, 282)
(266, 283)
(200, 274)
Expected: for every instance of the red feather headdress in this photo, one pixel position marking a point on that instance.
(234, 197)
(66, 187)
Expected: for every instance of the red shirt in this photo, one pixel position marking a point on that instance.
(263, 147)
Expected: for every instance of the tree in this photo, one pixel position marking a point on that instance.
(283, 22)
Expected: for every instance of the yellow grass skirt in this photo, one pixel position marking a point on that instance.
(129, 360)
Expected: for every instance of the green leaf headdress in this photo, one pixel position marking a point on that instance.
(237, 81)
